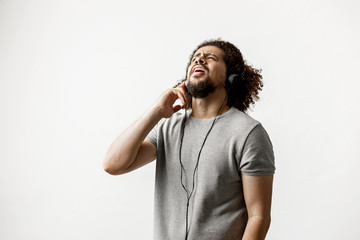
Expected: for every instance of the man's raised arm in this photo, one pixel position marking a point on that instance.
(129, 150)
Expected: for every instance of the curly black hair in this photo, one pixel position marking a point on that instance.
(248, 82)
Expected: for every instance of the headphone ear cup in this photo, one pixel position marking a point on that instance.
(232, 77)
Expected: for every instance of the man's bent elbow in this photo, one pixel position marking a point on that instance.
(111, 168)
(113, 171)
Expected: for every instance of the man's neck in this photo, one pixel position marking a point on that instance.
(208, 107)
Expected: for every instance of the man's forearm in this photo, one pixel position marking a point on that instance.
(256, 228)
(123, 150)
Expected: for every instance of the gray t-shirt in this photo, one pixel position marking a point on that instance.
(236, 144)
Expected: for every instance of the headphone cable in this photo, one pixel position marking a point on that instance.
(196, 166)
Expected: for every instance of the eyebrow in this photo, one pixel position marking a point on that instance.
(206, 54)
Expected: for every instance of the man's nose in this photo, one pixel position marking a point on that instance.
(200, 59)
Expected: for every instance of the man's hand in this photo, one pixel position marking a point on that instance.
(166, 101)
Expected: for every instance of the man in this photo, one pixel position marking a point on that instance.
(215, 164)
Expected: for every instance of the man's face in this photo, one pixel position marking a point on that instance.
(206, 72)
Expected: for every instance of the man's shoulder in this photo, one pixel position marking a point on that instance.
(172, 121)
(240, 118)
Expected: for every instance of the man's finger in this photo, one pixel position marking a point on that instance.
(181, 96)
(181, 87)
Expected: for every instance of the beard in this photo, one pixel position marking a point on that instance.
(202, 88)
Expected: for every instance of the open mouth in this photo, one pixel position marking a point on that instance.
(198, 69)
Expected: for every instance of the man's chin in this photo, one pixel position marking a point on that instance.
(201, 89)
(196, 79)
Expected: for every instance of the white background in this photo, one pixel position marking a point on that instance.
(75, 74)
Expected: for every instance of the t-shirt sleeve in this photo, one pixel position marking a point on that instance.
(258, 155)
(153, 135)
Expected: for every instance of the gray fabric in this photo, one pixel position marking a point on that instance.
(236, 144)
